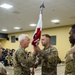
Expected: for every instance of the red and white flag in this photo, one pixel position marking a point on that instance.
(37, 33)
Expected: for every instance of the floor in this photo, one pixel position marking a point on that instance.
(60, 70)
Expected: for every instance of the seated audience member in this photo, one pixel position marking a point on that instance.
(2, 68)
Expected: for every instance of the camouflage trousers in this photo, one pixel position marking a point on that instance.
(48, 74)
(49, 71)
(73, 73)
(21, 73)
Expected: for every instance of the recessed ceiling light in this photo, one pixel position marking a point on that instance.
(4, 30)
(6, 6)
(55, 21)
(17, 28)
(32, 25)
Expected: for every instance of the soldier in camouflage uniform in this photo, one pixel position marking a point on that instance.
(0, 50)
(70, 56)
(9, 59)
(48, 57)
(2, 68)
(21, 61)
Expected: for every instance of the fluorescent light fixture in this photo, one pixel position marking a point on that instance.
(55, 21)
(17, 28)
(32, 25)
(6, 6)
(4, 30)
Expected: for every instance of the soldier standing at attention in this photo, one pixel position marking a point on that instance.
(48, 57)
(70, 56)
(21, 61)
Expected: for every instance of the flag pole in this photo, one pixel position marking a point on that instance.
(41, 7)
(41, 12)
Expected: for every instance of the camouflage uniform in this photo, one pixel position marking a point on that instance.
(22, 62)
(9, 59)
(48, 59)
(70, 62)
(2, 70)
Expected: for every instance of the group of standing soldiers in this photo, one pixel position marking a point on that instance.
(47, 57)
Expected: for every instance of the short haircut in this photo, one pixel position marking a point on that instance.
(47, 35)
(73, 28)
(22, 36)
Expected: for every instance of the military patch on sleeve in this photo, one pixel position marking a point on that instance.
(69, 67)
